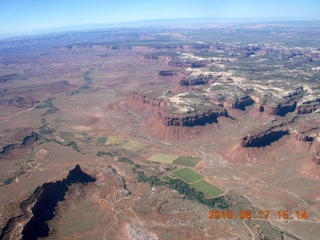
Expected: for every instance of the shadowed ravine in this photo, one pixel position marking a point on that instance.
(46, 198)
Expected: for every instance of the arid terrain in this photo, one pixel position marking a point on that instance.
(189, 132)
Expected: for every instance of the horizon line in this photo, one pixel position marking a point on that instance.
(124, 24)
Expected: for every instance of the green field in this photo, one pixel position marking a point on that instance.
(166, 178)
(208, 189)
(112, 140)
(132, 146)
(163, 158)
(187, 175)
(101, 140)
(187, 161)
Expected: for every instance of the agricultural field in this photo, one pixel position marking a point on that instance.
(130, 145)
(166, 178)
(208, 189)
(163, 158)
(187, 161)
(101, 140)
(187, 175)
(112, 140)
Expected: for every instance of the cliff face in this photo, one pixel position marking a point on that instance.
(165, 73)
(242, 103)
(195, 120)
(309, 107)
(40, 207)
(281, 109)
(266, 134)
(284, 105)
(197, 81)
(263, 138)
(148, 100)
(25, 142)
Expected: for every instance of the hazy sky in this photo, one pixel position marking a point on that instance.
(26, 15)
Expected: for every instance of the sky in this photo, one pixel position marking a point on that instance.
(30, 15)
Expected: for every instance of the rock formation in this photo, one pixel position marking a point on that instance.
(196, 119)
(173, 114)
(30, 139)
(165, 73)
(282, 106)
(308, 107)
(242, 102)
(40, 207)
(148, 100)
(263, 138)
(281, 109)
(267, 134)
(195, 81)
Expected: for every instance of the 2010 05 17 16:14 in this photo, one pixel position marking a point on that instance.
(262, 214)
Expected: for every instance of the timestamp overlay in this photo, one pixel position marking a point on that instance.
(281, 214)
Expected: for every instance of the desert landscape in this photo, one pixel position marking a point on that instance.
(186, 132)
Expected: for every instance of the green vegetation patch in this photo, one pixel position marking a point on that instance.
(101, 140)
(208, 189)
(192, 194)
(187, 161)
(132, 146)
(49, 105)
(112, 140)
(166, 178)
(163, 158)
(187, 175)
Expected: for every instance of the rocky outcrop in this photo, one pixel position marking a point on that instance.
(198, 64)
(28, 140)
(263, 138)
(194, 81)
(284, 105)
(242, 102)
(303, 137)
(165, 73)
(266, 134)
(170, 117)
(40, 207)
(198, 119)
(148, 99)
(309, 107)
(281, 109)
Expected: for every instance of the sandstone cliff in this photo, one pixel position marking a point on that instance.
(28, 140)
(309, 107)
(266, 134)
(40, 207)
(281, 109)
(148, 100)
(197, 119)
(171, 117)
(242, 102)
